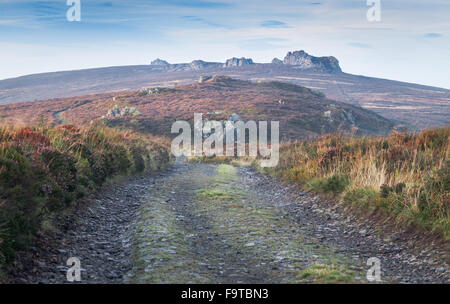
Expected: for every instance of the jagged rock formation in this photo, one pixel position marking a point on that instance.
(305, 61)
(277, 61)
(237, 62)
(299, 59)
(158, 61)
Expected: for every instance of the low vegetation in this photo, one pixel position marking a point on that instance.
(302, 112)
(45, 170)
(405, 175)
(325, 274)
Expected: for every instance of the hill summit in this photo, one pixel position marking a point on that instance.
(407, 104)
(299, 59)
(305, 61)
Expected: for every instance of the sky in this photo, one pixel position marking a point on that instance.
(410, 43)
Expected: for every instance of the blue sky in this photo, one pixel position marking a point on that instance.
(411, 43)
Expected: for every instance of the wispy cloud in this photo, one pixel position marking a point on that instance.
(202, 21)
(432, 35)
(195, 3)
(134, 31)
(360, 45)
(274, 24)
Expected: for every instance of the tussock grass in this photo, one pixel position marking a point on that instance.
(406, 175)
(326, 274)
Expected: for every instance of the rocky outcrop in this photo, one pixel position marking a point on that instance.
(202, 79)
(237, 62)
(348, 116)
(216, 78)
(148, 91)
(234, 117)
(195, 65)
(277, 61)
(158, 61)
(209, 125)
(304, 61)
(155, 90)
(200, 64)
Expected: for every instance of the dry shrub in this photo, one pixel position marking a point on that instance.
(408, 172)
(43, 170)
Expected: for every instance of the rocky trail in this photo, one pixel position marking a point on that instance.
(204, 223)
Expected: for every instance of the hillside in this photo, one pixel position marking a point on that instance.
(303, 113)
(46, 171)
(413, 105)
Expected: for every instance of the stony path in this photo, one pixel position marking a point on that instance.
(202, 223)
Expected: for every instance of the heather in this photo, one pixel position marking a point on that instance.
(45, 171)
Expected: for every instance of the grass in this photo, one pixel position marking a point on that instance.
(226, 173)
(333, 184)
(219, 191)
(300, 117)
(163, 254)
(326, 274)
(214, 195)
(405, 175)
(45, 170)
(245, 218)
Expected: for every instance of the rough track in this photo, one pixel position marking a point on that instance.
(201, 223)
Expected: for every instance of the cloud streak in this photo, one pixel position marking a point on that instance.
(360, 45)
(274, 24)
(432, 35)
